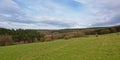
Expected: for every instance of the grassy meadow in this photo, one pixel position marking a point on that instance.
(104, 47)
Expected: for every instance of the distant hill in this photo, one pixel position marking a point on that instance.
(80, 29)
(11, 36)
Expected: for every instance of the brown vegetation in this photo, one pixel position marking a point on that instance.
(48, 38)
(5, 40)
(8, 37)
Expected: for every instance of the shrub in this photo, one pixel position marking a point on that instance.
(57, 35)
(26, 36)
(106, 31)
(5, 40)
(113, 30)
(4, 31)
(79, 34)
(68, 36)
(47, 38)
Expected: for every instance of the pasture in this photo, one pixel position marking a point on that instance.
(104, 47)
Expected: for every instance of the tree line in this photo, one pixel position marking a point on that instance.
(12, 36)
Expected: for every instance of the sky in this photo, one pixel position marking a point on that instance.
(58, 14)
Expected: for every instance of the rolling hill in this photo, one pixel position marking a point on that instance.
(104, 47)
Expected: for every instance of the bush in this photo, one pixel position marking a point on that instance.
(5, 31)
(26, 36)
(68, 35)
(79, 34)
(113, 30)
(48, 38)
(5, 40)
(57, 35)
(105, 31)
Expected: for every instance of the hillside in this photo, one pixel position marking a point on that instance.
(104, 47)
(22, 36)
(79, 29)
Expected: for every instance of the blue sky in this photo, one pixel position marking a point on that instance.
(58, 14)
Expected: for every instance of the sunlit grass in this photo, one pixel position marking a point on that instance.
(104, 47)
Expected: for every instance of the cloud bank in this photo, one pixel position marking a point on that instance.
(58, 14)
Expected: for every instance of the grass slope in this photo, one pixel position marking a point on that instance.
(104, 47)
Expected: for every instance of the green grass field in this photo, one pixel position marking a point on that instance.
(104, 47)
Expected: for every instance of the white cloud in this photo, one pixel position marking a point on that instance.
(102, 10)
(42, 13)
(9, 7)
(16, 25)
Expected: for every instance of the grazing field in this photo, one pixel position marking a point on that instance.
(104, 47)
